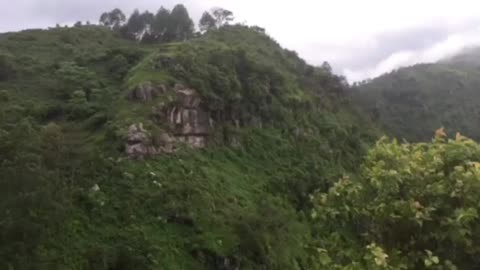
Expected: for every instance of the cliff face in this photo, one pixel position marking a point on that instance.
(185, 119)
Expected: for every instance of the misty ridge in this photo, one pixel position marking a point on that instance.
(228, 135)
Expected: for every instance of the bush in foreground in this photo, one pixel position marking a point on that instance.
(414, 206)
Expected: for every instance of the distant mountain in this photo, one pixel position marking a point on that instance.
(413, 102)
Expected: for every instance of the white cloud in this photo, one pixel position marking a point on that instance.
(447, 47)
(343, 32)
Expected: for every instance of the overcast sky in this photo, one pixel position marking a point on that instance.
(360, 38)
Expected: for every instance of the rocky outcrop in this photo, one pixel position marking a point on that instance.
(139, 143)
(146, 92)
(165, 143)
(188, 120)
(185, 121)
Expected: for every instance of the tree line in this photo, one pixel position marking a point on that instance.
(165, 25)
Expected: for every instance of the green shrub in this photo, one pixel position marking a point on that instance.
(414, 206)
(119, 66)
(73, 78)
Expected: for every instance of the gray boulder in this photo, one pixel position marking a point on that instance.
(139, 143)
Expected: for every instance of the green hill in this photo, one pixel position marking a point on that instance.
(412, 102)
(225, 151)
(101, 166)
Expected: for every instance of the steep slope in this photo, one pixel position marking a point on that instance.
(101, 166)
(412, 102)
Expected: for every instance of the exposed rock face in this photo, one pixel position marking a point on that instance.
(188, 120)
(139, 144)
(193, 141)
(146, 92)
(165, 143)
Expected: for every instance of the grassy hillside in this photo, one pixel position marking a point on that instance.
(73, 200)
(412, 102)
(281, 175)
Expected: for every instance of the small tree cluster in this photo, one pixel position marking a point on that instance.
(113, 19)
(164, 26)
(215, 19)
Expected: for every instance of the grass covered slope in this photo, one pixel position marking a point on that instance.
(74, 201)
(412, 102)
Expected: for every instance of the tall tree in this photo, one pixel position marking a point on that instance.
(180, 25)
(113, 19)
(207, 22)
(147, 19)
(222, 16)
(326, 67)
(161, 23)
(135, 25)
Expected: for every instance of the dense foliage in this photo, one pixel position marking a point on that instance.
(290, 185)
(73, 200)
(411, 102)
(412, 206)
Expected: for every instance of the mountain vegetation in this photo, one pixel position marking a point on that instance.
(139, 144)
(411, 102)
